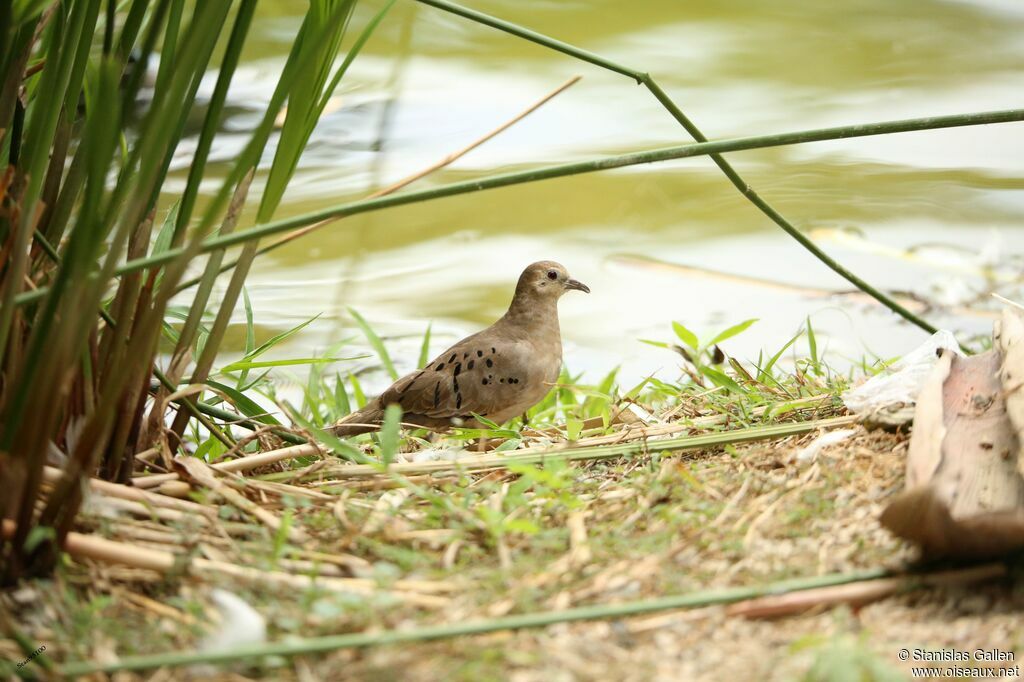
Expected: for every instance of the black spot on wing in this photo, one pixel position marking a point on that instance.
(439, 367)
(493, 350)
(470, 365)
(458, 368)
(479, 353)
(452, 358)
(409, 385)
(490, 363)
(437, 394)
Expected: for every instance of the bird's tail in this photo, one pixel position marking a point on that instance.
(361, 421)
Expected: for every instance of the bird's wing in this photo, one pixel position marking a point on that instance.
(476, 375)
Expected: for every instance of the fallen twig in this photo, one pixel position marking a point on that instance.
(516, 622)
(593, 452)
(858, 593)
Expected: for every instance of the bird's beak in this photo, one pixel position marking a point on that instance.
(578, 286)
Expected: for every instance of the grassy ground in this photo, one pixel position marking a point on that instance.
(457, 544)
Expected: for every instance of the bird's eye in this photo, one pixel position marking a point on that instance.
(552, 274)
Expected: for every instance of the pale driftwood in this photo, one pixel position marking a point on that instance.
(283, 489)
(859, 593)
(117, 507)
(1009, 338)
(83, 546)
(201, 473)
(965, 496)
(236, 465)
(52, 475)
(94, 547)
(153, 480)
(179, 489)
(251, 462)
(925, 450)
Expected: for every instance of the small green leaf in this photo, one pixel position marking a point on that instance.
(163, 237)
(721, 379)
(389, 433)
(337, 445)
(357, 391)
(733, 331)
(686, 336)
(204, 449)
(244, 403)
(250, 327)
(250, 334)
(264, 347)
(38, 535)
(573, 428)
(510, 444)
(341, 396)
(486, 422)
(766, 371)
(425, 348)
(254, 364)
(739, 369)
(254, 382)
(632, 393)
(812, 341)
(201, 338)
(608, 383)
(169, 332)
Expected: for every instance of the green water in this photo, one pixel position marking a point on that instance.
(429, 83)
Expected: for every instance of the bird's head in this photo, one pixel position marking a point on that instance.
(546, 281)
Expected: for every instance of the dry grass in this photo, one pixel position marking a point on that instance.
(390, 551)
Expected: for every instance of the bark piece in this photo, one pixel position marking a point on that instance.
(965, 495)
(1009, 338)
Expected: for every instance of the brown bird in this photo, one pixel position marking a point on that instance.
(497, 373)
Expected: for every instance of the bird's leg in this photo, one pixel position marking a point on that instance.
(526, 420)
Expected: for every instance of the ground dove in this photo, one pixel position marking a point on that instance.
(497, 373)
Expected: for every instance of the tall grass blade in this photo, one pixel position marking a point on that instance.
(375, 343)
